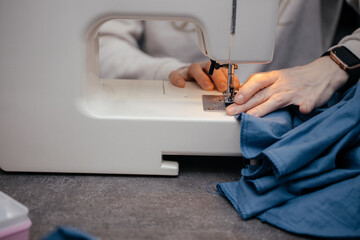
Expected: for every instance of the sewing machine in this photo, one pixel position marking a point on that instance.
(58, 116)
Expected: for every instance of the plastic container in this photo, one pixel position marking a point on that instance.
(14, 221)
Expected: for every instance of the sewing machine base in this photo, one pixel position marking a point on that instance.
(125, 129)
(58, 116)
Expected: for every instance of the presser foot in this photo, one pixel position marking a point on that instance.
(229, 96)
(229, 101)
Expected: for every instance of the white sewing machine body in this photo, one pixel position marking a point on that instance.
(58, 116)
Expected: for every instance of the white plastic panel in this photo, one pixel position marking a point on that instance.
(58, 116)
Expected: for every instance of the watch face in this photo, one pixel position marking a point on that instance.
(346, 56)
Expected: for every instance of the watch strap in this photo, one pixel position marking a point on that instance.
(348, 61)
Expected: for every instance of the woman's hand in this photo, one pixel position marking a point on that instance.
(200, 73)
(307, 86)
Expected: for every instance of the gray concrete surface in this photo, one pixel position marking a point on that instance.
(139, 207)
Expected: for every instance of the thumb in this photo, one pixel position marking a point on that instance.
(306, 107)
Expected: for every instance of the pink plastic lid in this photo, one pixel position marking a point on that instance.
(17, 228)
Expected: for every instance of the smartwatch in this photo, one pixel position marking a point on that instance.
(347, 61)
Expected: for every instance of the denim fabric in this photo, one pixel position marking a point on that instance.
(308, 179)
(67, 233)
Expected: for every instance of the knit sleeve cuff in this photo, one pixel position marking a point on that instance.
(165, 69)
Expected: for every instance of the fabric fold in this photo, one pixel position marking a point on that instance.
(309, 172)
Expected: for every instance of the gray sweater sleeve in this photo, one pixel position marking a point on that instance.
(121, 58)
(352, 42)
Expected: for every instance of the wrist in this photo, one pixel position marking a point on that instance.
(338, 76)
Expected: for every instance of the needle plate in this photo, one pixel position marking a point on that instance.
(213, 103)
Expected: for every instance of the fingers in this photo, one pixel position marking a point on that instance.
(236, 82)
(199, 72)
(218, 77)
(275, 102)
(196, 72)
(236, 79)
(176, 79)
(254, 84)
(260, 108)
(254, 101)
